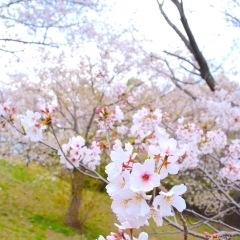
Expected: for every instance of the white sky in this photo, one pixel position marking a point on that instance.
(206, 21)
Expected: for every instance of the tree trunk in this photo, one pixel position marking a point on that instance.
(72, 217)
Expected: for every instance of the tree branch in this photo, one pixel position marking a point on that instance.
(190, 43)
(27, 42)
(182, 58)
(184, 39)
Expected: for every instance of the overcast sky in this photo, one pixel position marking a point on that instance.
(205, 17)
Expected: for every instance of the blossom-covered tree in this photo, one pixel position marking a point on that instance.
(156, 143)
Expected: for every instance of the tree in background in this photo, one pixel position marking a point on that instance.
(46, 23)
(212, 141)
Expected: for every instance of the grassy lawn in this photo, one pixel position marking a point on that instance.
(33, 205)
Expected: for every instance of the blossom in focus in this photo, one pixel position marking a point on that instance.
(165, 163)
(123, 236)
(120, 159)
(130, 204)
(166, 200)
(143, 176)
(156, 215)
(119, 183)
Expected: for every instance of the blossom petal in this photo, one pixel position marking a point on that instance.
(173, 168)
(179, 203)
(179, 189)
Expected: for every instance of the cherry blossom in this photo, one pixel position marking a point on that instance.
(166, 200)
(32, 127)
(231, 169)
(123, 236)
(213, 140)
(143, 176)
(75, 152)
(30, 119)
(119, 183)
(156, 215)
(120, 159)
(136, 170)
(7, 112)
(130, 204)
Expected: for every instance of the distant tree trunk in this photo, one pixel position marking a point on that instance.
(72, 217)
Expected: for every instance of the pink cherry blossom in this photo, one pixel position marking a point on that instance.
(143, 176)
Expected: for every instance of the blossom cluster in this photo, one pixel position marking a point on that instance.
(124, 96)
(7, 112)
(131, 181)
(198, 142)
(146, 128)
(221, 108)
(33, 123)
(107, 118)
(75, 153)
(231, 162)
(137, 168)
(121, 235)
(189, 135)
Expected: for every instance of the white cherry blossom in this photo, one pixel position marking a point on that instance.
(166, 200)
(119, 183)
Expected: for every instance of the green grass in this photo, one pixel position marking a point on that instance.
(33, 204)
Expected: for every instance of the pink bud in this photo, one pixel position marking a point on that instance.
(206, 234)
(112, 237)
(120, 231)
(215, 235)
(97, 110)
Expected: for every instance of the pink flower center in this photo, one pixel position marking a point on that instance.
(145, 177)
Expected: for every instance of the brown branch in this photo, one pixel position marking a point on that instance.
(198, 235)
(191, 72)
(184, 39)
(182, 58)
(211, 219)
(185, 232)
(190, 43)
(204, 69)
(11, 3)
(175, 81)
(90, 123)
(27, 42)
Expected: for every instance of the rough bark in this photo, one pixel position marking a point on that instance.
(72, 217)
